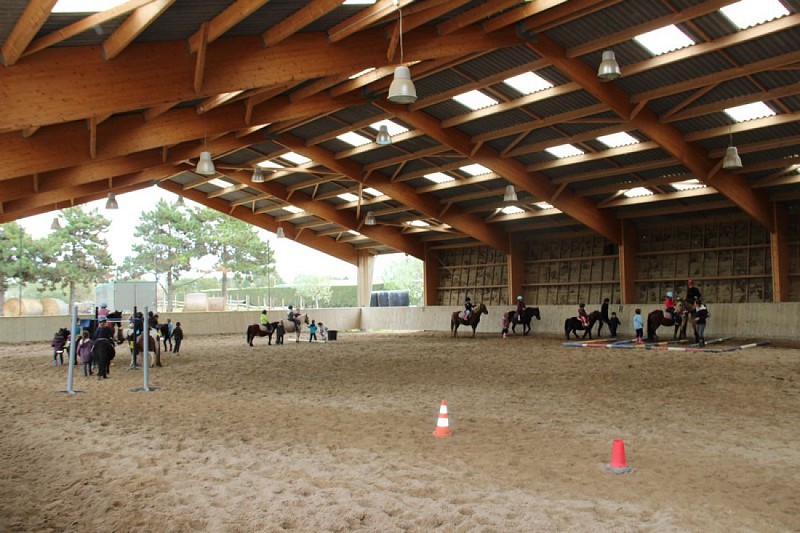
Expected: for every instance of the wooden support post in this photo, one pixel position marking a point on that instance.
(779, 249)
(516, 268)
(366, 267)
(431, 278)
(627, 263)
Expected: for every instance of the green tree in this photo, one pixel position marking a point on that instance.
(170, 239)
(314, 288)
(406, 274)
(19, 258)
(237, 249)
(77, 252)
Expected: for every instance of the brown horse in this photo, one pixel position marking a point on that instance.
(254, 330)
(473, 320)
(152, 346)
(684, 317)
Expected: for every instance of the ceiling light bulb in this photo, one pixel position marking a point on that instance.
(56, 224)
(111, 202)
(205, 165)
(731, 161)
(258, 175)
(280, 233)
(609, 68)
(402, 90)
(369, 220)
(383, 137)
(510, 194)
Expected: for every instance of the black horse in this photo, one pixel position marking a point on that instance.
(103, 352)
(573, 324)
(473, 320)
(254, 330)
(525, 319)
(680, 320)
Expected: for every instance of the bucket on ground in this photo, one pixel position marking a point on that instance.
(332, 334)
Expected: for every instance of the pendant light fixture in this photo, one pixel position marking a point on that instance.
(258, 175)
(56, 224)
(510, 194)
(111, 202)
(280, 233)
(402, 90)
(369, 220)
(609, 68)
(731, 161)
(383, 137)
(179, 202)
(205, 165)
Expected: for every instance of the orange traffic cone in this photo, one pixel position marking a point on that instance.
(442, 424)
(618, 464)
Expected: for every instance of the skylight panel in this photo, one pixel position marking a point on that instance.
(292, 209)
(747, 112)
(361, 73)
(85, 6)
(511, 210)
(354, 233)
(354, 139)
(543, 205)
(564, 150)
(475, 169)
(528, 83)
(687, 185)
(474, 100)
(270, 164)
(664, 40)
(348, 196)
(373, 192)
(615, 140)
(391, 126)
(637, 192)
(418, 223)
(358, 2)
(438, 177)
(219, 182)
(753, 12)
(295, 158)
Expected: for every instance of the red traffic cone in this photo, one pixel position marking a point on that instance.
(618, 464)
(443, 424)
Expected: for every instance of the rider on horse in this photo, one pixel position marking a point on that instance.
(582, 315)
(264, 321)
(292, 316)
(520, 311)
(468, 307)
(669, 304)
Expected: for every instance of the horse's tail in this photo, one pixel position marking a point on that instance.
(650, 324)
(566, 327)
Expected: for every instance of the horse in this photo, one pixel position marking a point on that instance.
(525, 319)
(573, 324)
(60, 344)
(684, 318)
(103, 352)
(289, 326)
(254, 330)
(473, 319)
(137, 347)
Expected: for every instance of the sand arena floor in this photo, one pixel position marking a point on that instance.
(337, 437)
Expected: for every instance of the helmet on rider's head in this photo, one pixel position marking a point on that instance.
(519, 298)
(290, 307)
(103, 305)
(582, 304)
(690, 282)
(467, 299)
(669, 293)
(264, 312)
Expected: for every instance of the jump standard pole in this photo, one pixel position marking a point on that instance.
(72, 347)
(145, 348)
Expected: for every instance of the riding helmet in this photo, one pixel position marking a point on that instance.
(290, 307)
(582, 305)
(669, 293)
(103, 305)
(519, 298)
(468, 300)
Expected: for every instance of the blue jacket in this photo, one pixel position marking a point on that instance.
(638, 322)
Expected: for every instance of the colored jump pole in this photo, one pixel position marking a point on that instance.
(72, 347)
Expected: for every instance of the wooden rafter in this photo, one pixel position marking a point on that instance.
(230, 17)
(25, 29)
(136, 23)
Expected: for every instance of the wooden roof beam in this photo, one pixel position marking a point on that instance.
(734, 187)
(539, 185)
(230, 17)
(134, 25)
(480, 12)
(364, 19)
(298, 20)
(32, 19)
(424, 12)
(401, 192)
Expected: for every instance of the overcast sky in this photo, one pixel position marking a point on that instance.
(291, 258)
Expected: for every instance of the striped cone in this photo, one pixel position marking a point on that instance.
(442, 424)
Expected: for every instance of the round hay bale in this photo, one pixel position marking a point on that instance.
(217, 303)
(54, 307)
(195, 302)
(28, 307)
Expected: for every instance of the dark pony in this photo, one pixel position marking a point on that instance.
(254, 330)
(525, 319)
(473, 320)
(682, 319)
(573, 324)
(103, 352)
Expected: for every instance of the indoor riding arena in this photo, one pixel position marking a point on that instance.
(635, 156)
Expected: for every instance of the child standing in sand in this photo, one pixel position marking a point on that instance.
(638, 325)
(312, 331)
(177, 336)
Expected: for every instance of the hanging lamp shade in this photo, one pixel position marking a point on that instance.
(280, 233)
(510, 194)
(609, 68)
(258, 175)
(383, 137)
(56, 224)
(402, 90)
(205, 165)
(731, 161)
(111, 202)
(179, 202)
(369, 220)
